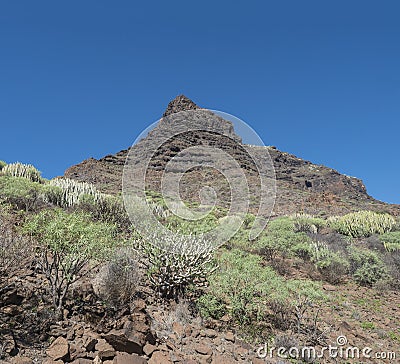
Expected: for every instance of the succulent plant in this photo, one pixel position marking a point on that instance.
(22, 170)
(362, 223)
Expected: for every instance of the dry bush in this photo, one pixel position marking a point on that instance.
(118, 281)
(14, 249)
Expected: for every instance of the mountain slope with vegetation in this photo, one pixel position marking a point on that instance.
(79, 284)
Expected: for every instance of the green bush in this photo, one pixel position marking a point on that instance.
(366, 266)
(331, 265)
(20, 192)
(363, 223)
(2, 164)
(22, 170)
(105, 208)
(249, 291)
(307, 223)
(68, 242)
(391, 241)
(280, 238)
(210, 307)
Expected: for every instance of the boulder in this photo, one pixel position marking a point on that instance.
(59, 349)
(124, 341)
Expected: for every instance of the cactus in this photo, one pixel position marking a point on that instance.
(362, 223)
(22, 170)
(70, 192)
(176, 262)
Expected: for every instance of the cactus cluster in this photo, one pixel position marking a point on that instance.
(22, 170)
(68, 192)
(362, 223)
(177, 262)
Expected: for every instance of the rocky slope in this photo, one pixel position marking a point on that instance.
(301, 185)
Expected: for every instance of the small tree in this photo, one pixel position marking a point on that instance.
(67, 244)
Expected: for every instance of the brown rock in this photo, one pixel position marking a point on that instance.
(328, 287)
(211, 333)
(125, 358)
(105, 350)
(223, 359)
(160, 357)
(51, 361)
(82, 361)
(21, 360)
(59, 349)
(229, 336)
(122, 341)
(148, 349)
(203, 349)
(178, 328)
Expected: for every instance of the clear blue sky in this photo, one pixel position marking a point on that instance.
(318, 79)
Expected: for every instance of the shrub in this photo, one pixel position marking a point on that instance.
(177, 262)
(332, 265)
(307, 223)
(22, 170)
(242, 284)
(106, 208)
(250, 291)
(119, 278)
(67, 243)
(20, 192)
(366, 266)
(210, 306)
(14, 249)
(280, 238)
(2, 164)
(363, 223)
(391, 241)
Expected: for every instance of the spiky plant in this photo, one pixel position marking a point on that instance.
(176, 262)
(18, 169)
(362, 223)
(70, 192)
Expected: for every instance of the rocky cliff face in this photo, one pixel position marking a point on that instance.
(301, 185)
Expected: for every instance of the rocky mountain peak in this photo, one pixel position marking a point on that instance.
(180, 103)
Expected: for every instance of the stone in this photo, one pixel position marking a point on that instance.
(21, 360)
(178, 329)
(160, 357)
(82, 361)
(148, 349)
(105, 350)
(125, 358)
(223, 359)
(329, 288)
(203, 349)
(229, 336)
(59, 349)
(121, 341)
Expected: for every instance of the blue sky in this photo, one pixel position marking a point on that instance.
(318, 79)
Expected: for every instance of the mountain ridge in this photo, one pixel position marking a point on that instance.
(301, 185)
